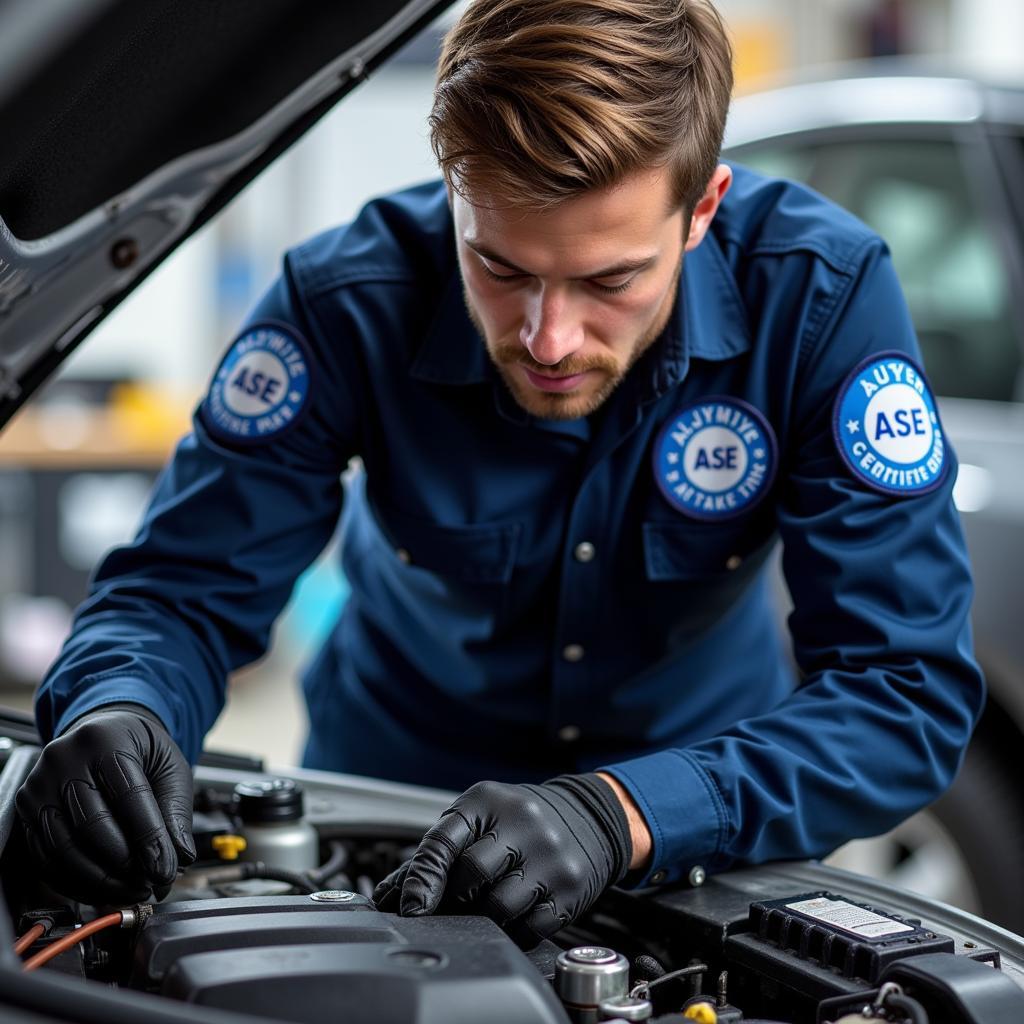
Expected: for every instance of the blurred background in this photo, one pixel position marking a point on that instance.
(919, 162)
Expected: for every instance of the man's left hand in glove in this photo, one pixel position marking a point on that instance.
(530, 857)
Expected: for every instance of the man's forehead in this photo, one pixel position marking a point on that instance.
(633, 218)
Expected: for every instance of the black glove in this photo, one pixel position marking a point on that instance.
(107, 809)
(531, 858)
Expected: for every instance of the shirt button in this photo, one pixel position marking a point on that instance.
(569, 733)
(584, 552)
(573, 652)
(733, 562)
(403, 556)
(658, 877)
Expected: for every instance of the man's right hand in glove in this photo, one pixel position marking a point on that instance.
(107, 809)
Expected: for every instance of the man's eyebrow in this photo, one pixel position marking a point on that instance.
(616, 270)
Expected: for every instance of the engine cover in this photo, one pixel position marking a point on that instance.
(296, 959)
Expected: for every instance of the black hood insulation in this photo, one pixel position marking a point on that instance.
(143, 83)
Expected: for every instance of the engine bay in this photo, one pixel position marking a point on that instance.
(275, 921)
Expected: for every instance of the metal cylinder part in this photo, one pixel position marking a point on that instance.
(626, 1008)
(273, 826)
(587, 976)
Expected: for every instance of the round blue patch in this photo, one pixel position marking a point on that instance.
(262, 386)
(886, 426)
(715, 458)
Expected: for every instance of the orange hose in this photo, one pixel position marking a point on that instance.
(28, 938)
(69, 940)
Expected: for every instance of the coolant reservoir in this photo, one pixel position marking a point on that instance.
(273, 825)
(587, 976)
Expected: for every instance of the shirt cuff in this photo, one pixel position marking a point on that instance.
(120, 690)
(682, 808)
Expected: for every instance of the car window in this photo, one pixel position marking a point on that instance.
(916, 195)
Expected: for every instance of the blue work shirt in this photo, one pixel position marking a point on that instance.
(481, 640)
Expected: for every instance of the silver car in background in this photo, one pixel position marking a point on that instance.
(936, 166)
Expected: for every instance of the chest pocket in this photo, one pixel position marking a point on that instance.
(475, 553)
(690, 550)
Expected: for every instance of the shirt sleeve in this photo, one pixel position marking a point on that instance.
(228, 529)
(890, 689)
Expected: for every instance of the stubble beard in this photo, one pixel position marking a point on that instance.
(508, 354)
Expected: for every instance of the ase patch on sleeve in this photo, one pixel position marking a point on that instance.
(262, 387)
(886, 426)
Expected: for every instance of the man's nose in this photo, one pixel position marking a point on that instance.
(551, 328)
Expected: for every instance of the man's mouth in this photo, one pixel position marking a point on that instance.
(557, 384)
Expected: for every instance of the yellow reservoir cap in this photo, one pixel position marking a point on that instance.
(228, 847)
(702, 1013)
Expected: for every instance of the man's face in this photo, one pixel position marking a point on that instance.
(568, 298)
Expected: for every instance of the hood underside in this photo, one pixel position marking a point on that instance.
(133, 123)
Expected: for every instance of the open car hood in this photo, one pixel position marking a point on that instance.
(128, 125)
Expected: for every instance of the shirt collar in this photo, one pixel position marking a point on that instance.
(714, 321)
(708, 323)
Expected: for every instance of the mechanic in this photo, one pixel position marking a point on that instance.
(592, 377)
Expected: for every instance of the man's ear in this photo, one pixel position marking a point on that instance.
(707, 206)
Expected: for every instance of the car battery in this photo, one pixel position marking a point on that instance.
(821, 944)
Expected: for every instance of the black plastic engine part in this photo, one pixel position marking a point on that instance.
(958, 990)
(298, 960)
(176, 929)
(833, 931)
(771, 982)
(806, 948)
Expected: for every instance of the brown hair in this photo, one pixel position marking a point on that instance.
(539, 100)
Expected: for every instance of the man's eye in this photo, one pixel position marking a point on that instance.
(501, 277)
(612, 289)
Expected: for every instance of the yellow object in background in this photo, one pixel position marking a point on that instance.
(138, 426)
(702, 1013)
(762, 49)
(228, 847)
(153, 416)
